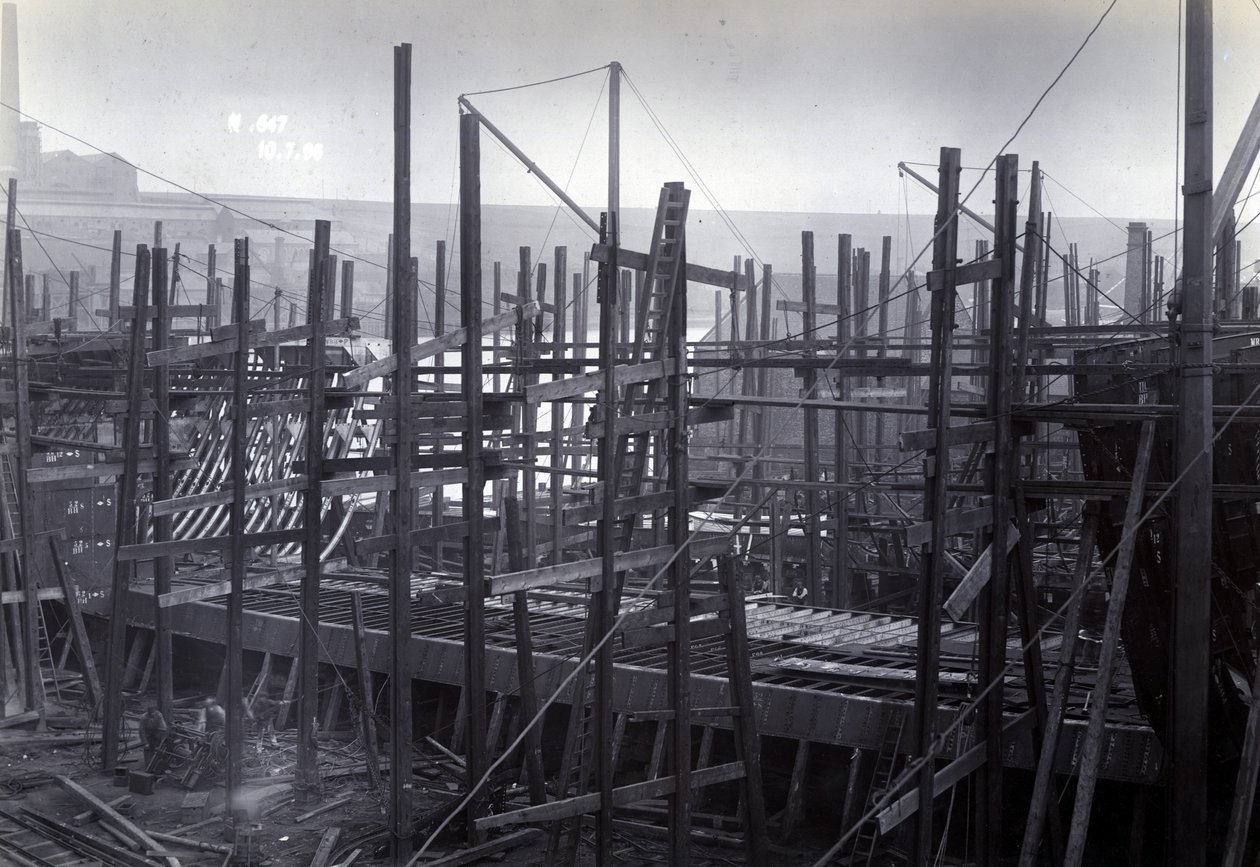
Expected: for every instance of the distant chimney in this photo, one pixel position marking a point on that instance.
(10, 95)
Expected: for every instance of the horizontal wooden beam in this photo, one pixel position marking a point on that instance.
(452, 532)
(653, 636)
(175, 547)
(448, 342)
(957, 435)
(509, 298)
(663, 611)
(593, 511)
(695, 273)
(223, 496)
(973, 272)
(621, 796)
(126, 311)
(223, 588)
(623, 374)
(228, 345)
(956, 521)
(548, 576)
(15, 597)
(108, 468)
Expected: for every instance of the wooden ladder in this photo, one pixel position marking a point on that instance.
(887, 764)
(664, 267)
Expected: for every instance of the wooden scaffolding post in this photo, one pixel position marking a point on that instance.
(1095, 735)
(936, 494)
(32, 680)
(1000, 476)
(604, 602)
(525, 657)
(750, 374)
(163, 566)
(1028, 279)
(678, 650)
(529, 412)
(1192, 598)
(306, 787)
(474, 486)
(607, 601)
(125, 524)
(884, 293)
(403, 503)
(438, 504)
(347, 289)
(558, 343)
(842, 595)
(812, 524)
(115, 278)
(367, 704)
(764, 426)
(236, 815)
(1043, 792)
(72, 303)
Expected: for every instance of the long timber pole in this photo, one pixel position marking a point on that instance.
(842, 595)
(163, 567)
(614, 151)
(811, 522)
(606, 599)
(679, 649)
(125, 524)
(403, 501)
(936, 495)
(306, 788)
(1192, 612)
(234, 732)
(996, 601)
(474, 486)
(32, 679)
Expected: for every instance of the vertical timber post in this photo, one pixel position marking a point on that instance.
(401, 329)
(474, 487)
(606, 600)
(935, 500)
(125, 523)
(996, 600)
(679, 649)
(306, 788)
(841, 579)
(557, 409)
(234, 731)
(115, 277)
(813, 564)
(32, 680)
(163, 567)
(1189, 666)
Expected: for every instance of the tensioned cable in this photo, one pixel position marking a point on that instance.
(1065, 189)
(538, 83)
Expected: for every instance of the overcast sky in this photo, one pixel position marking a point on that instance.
(790, 105)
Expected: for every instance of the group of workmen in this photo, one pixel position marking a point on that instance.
(211, 718)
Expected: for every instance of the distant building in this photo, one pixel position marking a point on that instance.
(95, 174)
